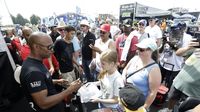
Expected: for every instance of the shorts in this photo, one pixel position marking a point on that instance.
(69, 76)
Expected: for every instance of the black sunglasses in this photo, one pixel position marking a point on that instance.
(141, 24)
(61, 30)
(102, 32)
(142, 50)
(83, 25)
(49, 47)
(150, 19)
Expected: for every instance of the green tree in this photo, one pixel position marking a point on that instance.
(34, 19)
(20, 20)
(13, 19)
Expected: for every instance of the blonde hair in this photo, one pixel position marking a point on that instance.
(108, 56)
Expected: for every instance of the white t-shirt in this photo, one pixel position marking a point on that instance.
(110, 86)
(154, 32)
(175, 60)
(114, 30)
(102, 46)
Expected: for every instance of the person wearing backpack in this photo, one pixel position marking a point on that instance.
(148, 76)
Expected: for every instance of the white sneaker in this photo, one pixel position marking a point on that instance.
(165, 110)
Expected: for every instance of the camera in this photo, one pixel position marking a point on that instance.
(197, 38)
(176, 35)
(192, 29)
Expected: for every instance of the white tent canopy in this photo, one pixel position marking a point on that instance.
(146, 11)
(189, 16)
(175, 15)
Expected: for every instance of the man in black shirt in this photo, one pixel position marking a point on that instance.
(54, 34)
(36, 80)
(64, 52)
(87, 53)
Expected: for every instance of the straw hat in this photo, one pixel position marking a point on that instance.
(61, 24)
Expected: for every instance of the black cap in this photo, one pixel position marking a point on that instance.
(131, 97)
(178, 26)
(128, 22)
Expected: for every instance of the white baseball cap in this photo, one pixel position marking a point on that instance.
(148, 43)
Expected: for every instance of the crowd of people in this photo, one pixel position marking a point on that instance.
(127, 63)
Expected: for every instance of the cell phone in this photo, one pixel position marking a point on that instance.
(83, 80)
(197, 39)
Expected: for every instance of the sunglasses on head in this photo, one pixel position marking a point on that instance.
(102, 32)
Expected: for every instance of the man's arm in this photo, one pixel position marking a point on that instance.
(153, 86)
(51, 70)
(45, 102)
(183, 50)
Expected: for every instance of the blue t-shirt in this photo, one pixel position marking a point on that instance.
(76, 44)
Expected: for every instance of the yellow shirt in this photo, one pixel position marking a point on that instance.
(141, 109)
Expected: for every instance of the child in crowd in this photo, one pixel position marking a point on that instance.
(110, 80)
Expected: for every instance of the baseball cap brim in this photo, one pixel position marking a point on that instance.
(127, 25)
(141, 45)
(147, 43)
(103, 30)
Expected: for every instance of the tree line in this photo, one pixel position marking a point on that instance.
(19, 19)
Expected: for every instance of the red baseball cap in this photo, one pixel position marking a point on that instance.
(105, 28)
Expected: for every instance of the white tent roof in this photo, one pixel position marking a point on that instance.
(146, 11)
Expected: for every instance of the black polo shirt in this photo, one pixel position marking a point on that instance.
(86, 50)
(35, 77)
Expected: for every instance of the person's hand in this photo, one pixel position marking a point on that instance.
(193, 43)
(96, 49)
(95, 99)
(51, 70)
(74, 86)
(62, 82)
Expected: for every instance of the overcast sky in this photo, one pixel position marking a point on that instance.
(45, 8)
